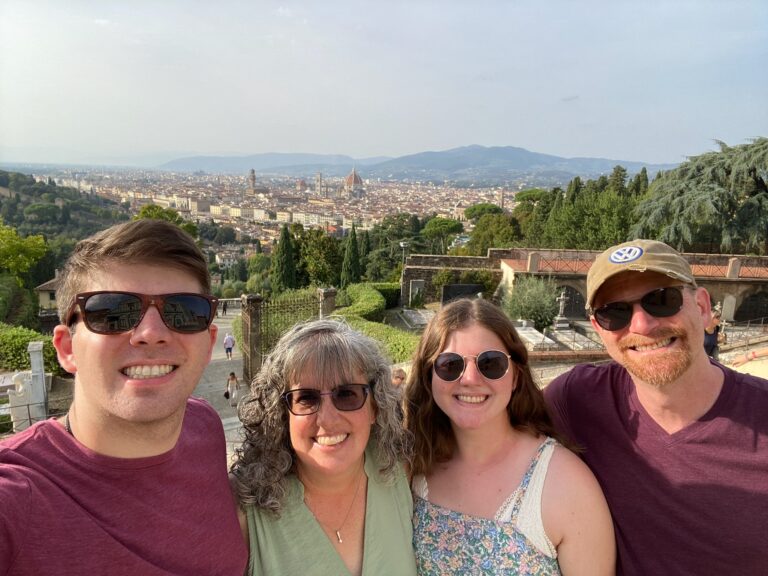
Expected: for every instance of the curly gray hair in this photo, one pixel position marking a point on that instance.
(335, 352)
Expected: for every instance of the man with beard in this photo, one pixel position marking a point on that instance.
(678, 442)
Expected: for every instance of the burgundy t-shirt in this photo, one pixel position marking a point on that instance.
(66, 510)
(692, 503)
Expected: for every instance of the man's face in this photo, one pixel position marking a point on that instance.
(656, 351)
(109, 369)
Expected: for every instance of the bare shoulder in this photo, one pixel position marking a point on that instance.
(571, 494)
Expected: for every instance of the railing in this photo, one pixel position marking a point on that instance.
(745, 333)
(24, 416)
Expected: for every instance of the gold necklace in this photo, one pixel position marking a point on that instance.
(349, 510)
(338, 530)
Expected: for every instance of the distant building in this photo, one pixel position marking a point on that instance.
(353, 185)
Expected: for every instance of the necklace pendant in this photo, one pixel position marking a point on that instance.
(338, 537)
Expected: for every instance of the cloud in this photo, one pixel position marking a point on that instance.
(570, 98)
(101, 22)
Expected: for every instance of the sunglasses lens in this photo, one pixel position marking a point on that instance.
(492, 364)
(663, 303)
(348, 397)
(449, 366)
(112, 313)
(303, 401)
(187, 312)
(614, 316)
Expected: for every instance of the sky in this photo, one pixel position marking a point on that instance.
(144, 81)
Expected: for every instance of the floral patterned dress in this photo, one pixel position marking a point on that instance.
(449, 542)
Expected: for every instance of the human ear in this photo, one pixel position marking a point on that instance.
(62, 342)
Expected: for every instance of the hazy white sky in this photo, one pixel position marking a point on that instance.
(142, 80)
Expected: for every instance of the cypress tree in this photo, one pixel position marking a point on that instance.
(350, 269)
(283, 275)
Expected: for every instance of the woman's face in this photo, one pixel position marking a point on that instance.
(474, 401)
(329, 442)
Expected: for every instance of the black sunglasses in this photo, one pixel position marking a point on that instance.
(492, 364)
(106, 312)
(659, 303)
(345, 397)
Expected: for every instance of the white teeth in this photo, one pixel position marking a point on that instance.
(331, 440)
(471, 399)
(654, 346)
(153, 371)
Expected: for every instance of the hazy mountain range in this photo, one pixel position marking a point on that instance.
(468, 164)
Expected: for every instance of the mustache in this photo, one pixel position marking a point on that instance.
(632, 340)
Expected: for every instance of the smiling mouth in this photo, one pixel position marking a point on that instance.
(144, 372)
(653, 346)
(331, 440)
(474, 399)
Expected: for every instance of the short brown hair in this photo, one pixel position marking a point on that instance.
(142, 241)
(434, 440)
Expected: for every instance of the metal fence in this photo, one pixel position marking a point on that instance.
(265, 321)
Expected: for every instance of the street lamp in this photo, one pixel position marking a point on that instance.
(404, 245)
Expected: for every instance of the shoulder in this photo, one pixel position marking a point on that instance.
(201, 408)
(571, 493)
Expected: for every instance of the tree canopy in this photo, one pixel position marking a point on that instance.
(714, 201)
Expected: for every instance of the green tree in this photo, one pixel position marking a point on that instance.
(439, 229)
(350, 269)
(717, 201)
(17, 254)
(533, 299)
(493, 231)
(477, 211)
(154, 212)
(321, 258)
(283, 274)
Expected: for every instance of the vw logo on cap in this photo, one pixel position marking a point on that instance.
(625, 254)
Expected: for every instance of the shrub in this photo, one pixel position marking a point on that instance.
(483, 277)
(367, 302)
(533, 299)
(441, 278)
(390, 291)
(14, 341)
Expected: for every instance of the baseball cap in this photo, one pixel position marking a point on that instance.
(637, 256)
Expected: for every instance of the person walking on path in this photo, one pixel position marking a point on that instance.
(229, 344)
(233, 389)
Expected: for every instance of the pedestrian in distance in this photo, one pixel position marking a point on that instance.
(713, 336)
(232, 391)
(494, 491)
(229, 345)
(132, 480)
(678, 441)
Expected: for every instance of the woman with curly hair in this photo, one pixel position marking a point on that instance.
(320, 476)
(494, 492)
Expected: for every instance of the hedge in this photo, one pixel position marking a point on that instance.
(398, 345)
(367, 302)
(390, 291)
(14, 341)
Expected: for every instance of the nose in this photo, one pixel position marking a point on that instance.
(471, 373)
(151, 329)
(327, 411)
(642, 322)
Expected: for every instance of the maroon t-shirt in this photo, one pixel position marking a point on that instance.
(691, 503)
(66, 510)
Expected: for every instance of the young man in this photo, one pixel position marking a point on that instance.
(678, 443)
(133, 479)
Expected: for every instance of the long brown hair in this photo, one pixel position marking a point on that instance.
(433, 437)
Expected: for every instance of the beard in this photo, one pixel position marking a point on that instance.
(666, 367)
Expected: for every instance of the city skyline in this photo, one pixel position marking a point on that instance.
(142, 83)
